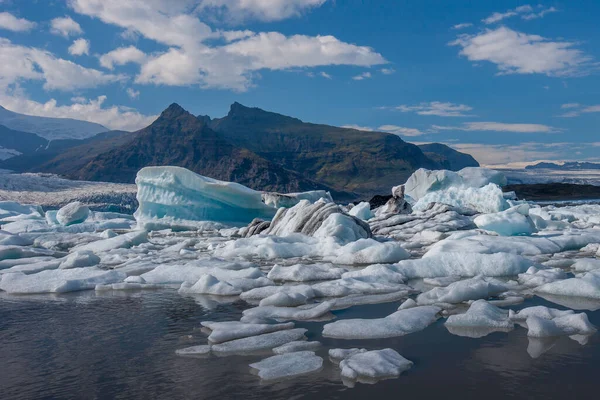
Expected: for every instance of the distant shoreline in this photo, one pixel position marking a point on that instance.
(555, 191)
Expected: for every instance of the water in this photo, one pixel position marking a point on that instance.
(122, 346)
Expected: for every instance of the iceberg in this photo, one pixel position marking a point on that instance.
(362, 210)
(231, 330)
(481, 319)
(566, 325)
(374, 365)
(586, 286)
(288, 365)
(177, 194)
(470, 289)
(400, 323)
(513, 222)
(72, 213)
(424, 181)
(259, 343)
(295, 346)
(305, 273)
(488, 199)
(278, 200)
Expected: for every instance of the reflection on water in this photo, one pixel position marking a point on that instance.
(122, 345)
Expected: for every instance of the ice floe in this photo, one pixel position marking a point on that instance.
(288, 365)
(480, 319)
(374, 365)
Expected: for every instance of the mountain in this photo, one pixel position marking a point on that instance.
(49, 128)
(447, 157)
(260, 149)
(568, 166)
(65, 156)
(179, 138)
(13, 143)
(348, 159)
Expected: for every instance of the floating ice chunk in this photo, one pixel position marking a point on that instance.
(299, 345)
(277, 200)
(480, 177)
(586, 265)
(457, 292)
(567, 325)
(587, 285)
(369, 251)
(376, 273)
(358, 299)
(180, 194)
(288, 365)
(362, 211)
(488, 199)
(537, 277)
(480, 319)
(14, 252)
(79, 259)
(192, 271)
(72, 213)
(463, 264)
(442, 280)
(350, 286)
(305, 272)
(232, 330)
(281, 299)
(301, 313)
(34, 267)
(9, 263)
(258, 343)
(344, 228)
(264, 292)
(9, 239)
(194, 351)
(409, 303)
(12, 209)
(400, 323)
(124, 241)
(337, 355)
(374, 365)
(538, 312)
(208, 284)
(125, 286)
(59, 280)
(512, 222)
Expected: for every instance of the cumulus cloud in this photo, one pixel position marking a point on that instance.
(363, 76)
(92, 110)
(193, 58)
(388, 71)
(122, 56)
(21, 63)
(437, 108)
(264, 10)
(325, 75)
(80, 47)
(499, 127)
(519, 53)
(12, 23)
(65, 27)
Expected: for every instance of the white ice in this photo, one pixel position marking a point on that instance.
(288, 365)
(72, 213)
(259, 343)
(513, 222)
(232, 330)
(375, 364)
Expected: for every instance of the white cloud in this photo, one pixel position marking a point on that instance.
(132, 93)
(122, 56)
(92, 110)
(80, 47)
(499, 127)
(65, 27)
(20, 63)
(526, 12)
(388, 71)
(325, 75)
(12, 23)
(540, 14)
(578, 109)
(462, 26)
(264, 10)
(363, 76)
(570, 105)
(437, 108)
(192, 58)
(519, 53)
(400, 130)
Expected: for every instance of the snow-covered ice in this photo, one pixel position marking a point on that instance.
(288, 365)
(374, 365)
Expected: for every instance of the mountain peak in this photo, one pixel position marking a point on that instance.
(173, 111)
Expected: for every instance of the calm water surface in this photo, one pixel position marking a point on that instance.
(122, 346)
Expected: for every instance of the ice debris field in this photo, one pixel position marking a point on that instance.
(447, 245)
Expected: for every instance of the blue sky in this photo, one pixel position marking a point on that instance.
(505, 81)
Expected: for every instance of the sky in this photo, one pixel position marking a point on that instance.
(509, 82)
